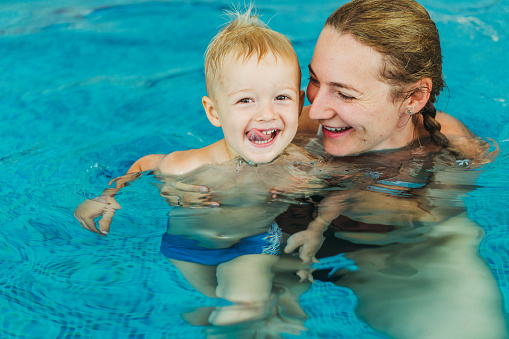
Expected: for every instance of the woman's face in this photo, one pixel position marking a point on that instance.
(349, 99)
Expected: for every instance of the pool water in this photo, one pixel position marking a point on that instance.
(88, 87)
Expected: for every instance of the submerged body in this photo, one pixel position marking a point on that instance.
(246, 207)
(416, 250)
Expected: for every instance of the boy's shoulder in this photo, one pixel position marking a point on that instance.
(181, 162)
(146, 163)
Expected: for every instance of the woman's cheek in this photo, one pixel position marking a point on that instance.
(311, 93)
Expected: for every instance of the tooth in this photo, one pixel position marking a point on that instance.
(339, 129)
(263, 141)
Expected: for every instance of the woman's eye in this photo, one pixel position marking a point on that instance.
(313, 80)
(346, 97)
(245, 100)
(282, 97)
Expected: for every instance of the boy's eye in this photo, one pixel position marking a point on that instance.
(245, 100)
(282, 97)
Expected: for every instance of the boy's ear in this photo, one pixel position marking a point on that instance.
(302, 97)
(210, 110)
(420, 94)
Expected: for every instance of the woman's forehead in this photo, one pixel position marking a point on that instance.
(342, 58)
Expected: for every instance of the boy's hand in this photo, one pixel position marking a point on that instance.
(308, 242)
(88, 210)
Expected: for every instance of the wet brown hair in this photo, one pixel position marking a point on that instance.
(403, 32)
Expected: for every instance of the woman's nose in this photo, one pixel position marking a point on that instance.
(320, 106)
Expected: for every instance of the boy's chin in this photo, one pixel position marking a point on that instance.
(258, 159)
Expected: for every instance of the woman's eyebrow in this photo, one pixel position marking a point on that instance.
(335, 84)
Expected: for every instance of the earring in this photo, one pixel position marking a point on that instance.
(410, 112)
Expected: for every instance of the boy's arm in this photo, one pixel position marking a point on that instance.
(179, 163)
(105, 204)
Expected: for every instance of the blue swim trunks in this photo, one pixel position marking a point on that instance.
(180, 247)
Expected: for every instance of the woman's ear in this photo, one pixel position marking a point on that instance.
(211, 111)
(420, 95)
(302, 97)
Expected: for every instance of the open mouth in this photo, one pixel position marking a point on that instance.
(262, 137)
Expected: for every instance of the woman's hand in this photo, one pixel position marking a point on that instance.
(90, 209)
(179, 194)
(308, 242)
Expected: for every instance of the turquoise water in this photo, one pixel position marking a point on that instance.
(88, 87)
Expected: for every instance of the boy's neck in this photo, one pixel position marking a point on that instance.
(219, 152)
(224, 153)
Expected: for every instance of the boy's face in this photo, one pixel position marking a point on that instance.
(257, 104)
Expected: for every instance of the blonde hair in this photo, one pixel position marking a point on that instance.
(403, 32)
(244, 36)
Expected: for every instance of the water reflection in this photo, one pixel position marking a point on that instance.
(398, 237)
(228, 251)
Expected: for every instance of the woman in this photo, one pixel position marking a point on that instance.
(374, 78)
(375, 75)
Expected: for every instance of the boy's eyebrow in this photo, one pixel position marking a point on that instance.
(335, 84)
(240, 90)
(250, 89)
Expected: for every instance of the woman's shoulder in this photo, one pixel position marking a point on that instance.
(452, 127)
(463, 140)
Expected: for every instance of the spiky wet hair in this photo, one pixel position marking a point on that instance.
(244, 36)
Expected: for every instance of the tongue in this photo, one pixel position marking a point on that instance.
(257, 135)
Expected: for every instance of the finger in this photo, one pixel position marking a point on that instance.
(311, 278)
(105, 222)
(194, 198)
(170, 192)
(191, 188)
(176, 201)
(304, 275)
(290, 246)
(81, 221)
(306, 258)
(90, 225)
(212, 204)
(200, 204)
(172, 201)
(276, 193)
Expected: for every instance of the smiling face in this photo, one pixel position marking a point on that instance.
(257, 104)
(349, 99)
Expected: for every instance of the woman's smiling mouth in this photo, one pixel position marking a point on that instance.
(335, 132)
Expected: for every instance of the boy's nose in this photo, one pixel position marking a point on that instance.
(266, 113)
